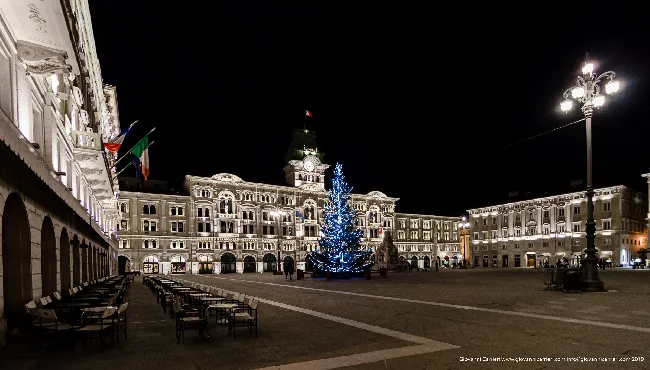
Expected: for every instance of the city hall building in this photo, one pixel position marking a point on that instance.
(530, 232)
(223, 224)
(58, 202)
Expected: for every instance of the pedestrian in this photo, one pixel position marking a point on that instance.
(436, 265)
(286, 272)
(291, 273)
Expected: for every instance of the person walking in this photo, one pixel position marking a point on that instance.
(290, 272)
(436, 265)
(286, 271)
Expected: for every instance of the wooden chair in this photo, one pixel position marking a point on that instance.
(245, 315)
(186, 320)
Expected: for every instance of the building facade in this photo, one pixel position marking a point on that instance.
(529, 232)
(57, 195)
(224, 224)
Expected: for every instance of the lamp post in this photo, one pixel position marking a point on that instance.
(464, 237)
(277, 214)
(587, 92)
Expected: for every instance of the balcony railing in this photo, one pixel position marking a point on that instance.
(86, 140)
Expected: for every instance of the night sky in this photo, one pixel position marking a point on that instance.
(416, 101)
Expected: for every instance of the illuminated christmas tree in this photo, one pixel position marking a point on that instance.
(340, 250)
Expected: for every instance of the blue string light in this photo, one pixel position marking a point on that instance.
(340, 250)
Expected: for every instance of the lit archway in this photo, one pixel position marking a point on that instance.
(228, 263)
(150, 265)
(48, 257)
(16, 261)
(269, 263)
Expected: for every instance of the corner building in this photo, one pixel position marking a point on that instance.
(529, 232)
(224, 224)
(58, 205)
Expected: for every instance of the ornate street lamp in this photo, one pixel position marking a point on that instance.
(587, 92)
(464, 234)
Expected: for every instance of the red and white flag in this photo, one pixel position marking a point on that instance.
(308, 113)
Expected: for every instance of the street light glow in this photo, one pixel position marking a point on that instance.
(566, 105)
(588, 68)
(599, 100)
(611, 87)
(578, 92)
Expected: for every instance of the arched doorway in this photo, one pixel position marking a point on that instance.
(48, 257)
(64, 263)
(178, 264)
(228, 263)
(414, 261)
(123, 265)
(84, 261)
(16, 261)
(249, 264)
(288, 264)
(269, 263)
(402, 260)
(75, 261)
(150, 265)
(427, 262)
(205, 264)
(309, 265)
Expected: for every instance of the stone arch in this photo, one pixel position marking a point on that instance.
(123, 264)
(250, 264)
(76, 260)
(84, 260)
(269, 262)
(228, 263)
(16, 261)
(64, 261)
(48, 257)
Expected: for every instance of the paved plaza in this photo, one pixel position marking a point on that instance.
(416, 320)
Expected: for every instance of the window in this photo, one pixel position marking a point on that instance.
(545, 245)
(124, 208)
(204, 245)
(517, 232)
(576, 210)
(454, 236)
(149, 244)
(546, 214)
(149, 225)
(517, 217)
(530, 245)
(177, 244)
(607, 206)
(414, 234)
(560, 212)
(546, 229)
(400, 234)
(446, 235)
(124, 225)
(576, 228)
(425, 224)
(576, 243)
(485, 235)
(494, 247)
(176, 210)
(475, 235)
(494, 220)
(485, 221)
(485, 247)
(176, 226)
(607, 225)
(494, 234)
(124, 244)
(516, 246)
(401, 223)
(426, 235)
(414, 224)
(504, 233)
(149, 209)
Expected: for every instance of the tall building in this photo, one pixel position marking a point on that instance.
(528, 232)
(57, 195)
(224, 224)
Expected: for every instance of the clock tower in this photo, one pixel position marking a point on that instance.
(305, 167)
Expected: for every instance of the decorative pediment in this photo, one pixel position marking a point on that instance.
(41, 61)
(96, 182)
(226, 177)
(531, 223)
(377, 194)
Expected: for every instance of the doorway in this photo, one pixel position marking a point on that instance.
(531, 258)
(228, 263)
(504, 261)
(249, 264)
(269, 263)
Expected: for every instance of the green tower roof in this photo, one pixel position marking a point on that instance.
(303, 142)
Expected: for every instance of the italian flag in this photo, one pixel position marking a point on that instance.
(141, 150)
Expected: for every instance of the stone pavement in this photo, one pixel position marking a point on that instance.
(492, 312)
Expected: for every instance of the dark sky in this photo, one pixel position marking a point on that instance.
(416, 101)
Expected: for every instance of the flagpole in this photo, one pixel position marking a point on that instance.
(127, 153)
(127, 166)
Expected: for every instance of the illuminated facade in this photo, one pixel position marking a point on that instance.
(57, 195)
(529, 232)
(225, 224)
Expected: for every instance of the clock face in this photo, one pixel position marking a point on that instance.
(309, 166)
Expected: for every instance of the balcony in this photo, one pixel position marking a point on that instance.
(86, 140)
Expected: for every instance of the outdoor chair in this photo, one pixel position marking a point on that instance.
(186, 320)
(120, 320)
(49, 323)
(245, 315)
(102, 327)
